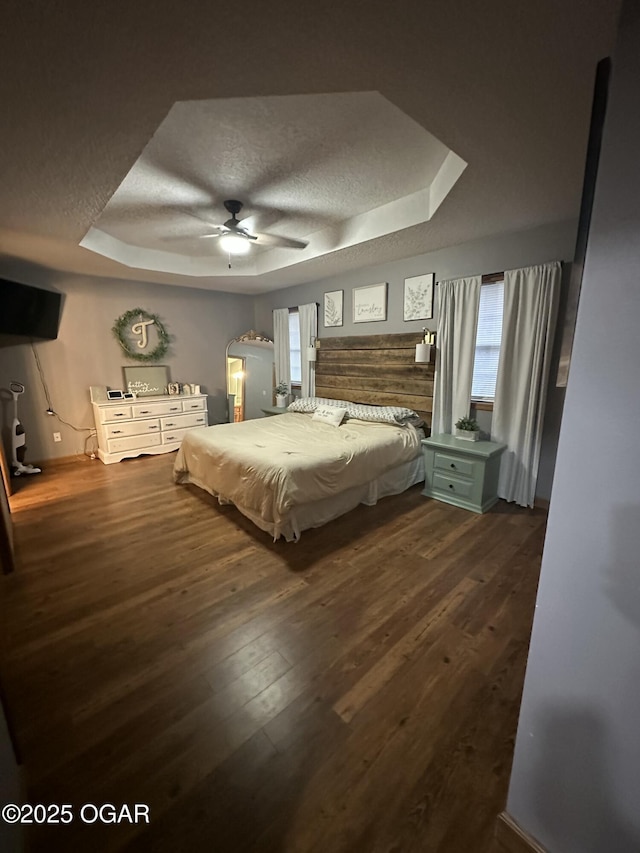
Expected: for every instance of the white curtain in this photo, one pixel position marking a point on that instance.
(529, 318)
(308, 333)
(457, 305)
(281, 345)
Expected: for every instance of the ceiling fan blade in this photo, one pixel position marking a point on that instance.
(283, 242)
(198, 217)
(184, 238)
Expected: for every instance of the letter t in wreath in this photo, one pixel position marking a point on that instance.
(140, 328)
(140, 320)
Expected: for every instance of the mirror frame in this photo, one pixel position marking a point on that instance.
(249, 336)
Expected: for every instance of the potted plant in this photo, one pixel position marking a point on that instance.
(468, 429)
(282, 394)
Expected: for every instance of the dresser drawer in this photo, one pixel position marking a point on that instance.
(450, 485)
(161, 407)
(171, 436)
(117, 413)
(198, 405)
(184, 421)
(132, 428)
(453, 464)
(134, 442)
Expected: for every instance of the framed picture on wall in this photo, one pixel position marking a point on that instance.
(370, 303)
(333, 308)
(418, 297)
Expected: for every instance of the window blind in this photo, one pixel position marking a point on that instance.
(294, 346)
(488, 339)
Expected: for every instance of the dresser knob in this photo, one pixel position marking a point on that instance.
(450, 485)
(452, 465)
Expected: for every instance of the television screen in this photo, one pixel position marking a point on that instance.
(28, 311)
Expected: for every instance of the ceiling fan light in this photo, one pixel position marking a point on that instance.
(234, 244)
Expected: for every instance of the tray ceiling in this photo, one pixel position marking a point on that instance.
(333, 170)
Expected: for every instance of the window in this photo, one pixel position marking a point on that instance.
(488, 339)
(294, 347)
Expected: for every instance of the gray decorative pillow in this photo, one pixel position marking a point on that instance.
(383, 414)
(310, 404)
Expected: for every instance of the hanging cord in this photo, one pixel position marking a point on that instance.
(51, 410)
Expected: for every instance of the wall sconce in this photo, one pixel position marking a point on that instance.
(423, 349)
(311, 351)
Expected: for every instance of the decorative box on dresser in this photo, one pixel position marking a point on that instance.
(127, 428)
(462, 472)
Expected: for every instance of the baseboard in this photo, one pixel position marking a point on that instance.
(541, 503)
(511, 838)
(62, 461)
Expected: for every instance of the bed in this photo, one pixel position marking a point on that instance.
(298, 470)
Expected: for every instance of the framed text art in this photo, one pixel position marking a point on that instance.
(370, 303)
(146, 381)
(333, 308)
(418, 297)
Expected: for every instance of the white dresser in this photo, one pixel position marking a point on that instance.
(128, 428)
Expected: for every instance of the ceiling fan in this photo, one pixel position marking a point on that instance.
(236, 240)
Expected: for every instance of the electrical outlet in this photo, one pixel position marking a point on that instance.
(57, 436)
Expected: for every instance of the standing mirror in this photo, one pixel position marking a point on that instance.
(250, 376)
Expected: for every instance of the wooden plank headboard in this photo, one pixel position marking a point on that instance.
(378, 370)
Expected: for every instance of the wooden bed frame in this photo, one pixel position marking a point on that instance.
(378, 370)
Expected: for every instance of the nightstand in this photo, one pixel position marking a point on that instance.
(461, 472)
(274, 410)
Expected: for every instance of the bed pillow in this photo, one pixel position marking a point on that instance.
(383, 414)
(332, 415)
(310, 404)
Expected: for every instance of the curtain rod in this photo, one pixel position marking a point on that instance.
(486, 279)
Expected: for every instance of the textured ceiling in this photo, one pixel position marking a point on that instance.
(335, 170)
(506, 86)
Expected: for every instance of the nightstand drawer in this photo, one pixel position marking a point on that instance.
(454, 464)
(452, 485)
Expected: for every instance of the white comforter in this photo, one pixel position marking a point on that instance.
(267, 466)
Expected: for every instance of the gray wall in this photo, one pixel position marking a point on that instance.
(575, 782)
(86, 353)
(510, 251)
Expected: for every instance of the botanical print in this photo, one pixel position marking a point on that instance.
(333, 308)
(370, 303)
(418, 297)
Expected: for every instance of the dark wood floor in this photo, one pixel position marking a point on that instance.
(357, 691)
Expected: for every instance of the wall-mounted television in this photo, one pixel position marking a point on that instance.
(29, 312)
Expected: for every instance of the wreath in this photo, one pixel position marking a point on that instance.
(121, 327)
